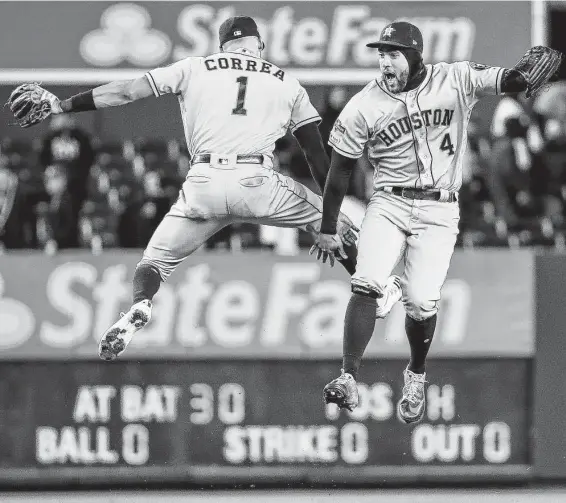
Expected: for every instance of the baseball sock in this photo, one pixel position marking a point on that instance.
(420, 334)
(350, 263)
(146, 282)
(358, 329)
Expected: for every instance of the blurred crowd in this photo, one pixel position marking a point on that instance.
(70, 190)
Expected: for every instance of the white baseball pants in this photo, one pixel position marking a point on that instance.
(214, 196)
(421, 232)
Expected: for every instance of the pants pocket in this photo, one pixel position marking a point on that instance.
(198, 179)
(253, 181)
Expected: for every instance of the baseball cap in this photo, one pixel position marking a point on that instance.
(237, 27)
(400, 34)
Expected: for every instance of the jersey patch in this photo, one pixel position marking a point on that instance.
(337, 132)
(479, 66)
(339, 127)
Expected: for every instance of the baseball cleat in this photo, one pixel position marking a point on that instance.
(391, 295)
(343, 391)
(411, 407)
(119, 335)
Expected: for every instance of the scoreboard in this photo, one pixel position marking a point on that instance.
(262, 420)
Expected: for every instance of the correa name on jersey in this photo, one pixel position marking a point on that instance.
(394, 130)
(245, 65)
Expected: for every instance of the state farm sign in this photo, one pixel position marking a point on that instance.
(248, 305)
(126, 34)
(322, 42)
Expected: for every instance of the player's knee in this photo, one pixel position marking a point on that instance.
(361, 287)
(420, 307)
(163, 268)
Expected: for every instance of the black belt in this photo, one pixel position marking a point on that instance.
(240, 159)
(427, 194)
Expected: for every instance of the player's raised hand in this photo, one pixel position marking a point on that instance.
(347, 231)
(32, 104)
(328, 246)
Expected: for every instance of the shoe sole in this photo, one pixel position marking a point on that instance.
(117, 337)
(334, 395)
(387, 308)
(409, 420)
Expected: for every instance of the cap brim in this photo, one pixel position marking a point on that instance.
(377, 45)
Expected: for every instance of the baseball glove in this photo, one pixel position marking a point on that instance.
(31, 104)
(538, 66)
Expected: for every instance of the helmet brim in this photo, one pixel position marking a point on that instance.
(397, 45)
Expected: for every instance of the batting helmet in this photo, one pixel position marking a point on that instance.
(400, 35)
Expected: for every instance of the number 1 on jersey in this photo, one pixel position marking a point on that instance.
(447, 144)
(242, 88)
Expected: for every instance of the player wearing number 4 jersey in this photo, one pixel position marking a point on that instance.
(234, 106)
(412, 119)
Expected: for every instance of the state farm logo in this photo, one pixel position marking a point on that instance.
(293, 308)
(334, 38)
(125, 34)
(326, 38)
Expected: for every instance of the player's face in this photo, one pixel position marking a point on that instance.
(395, 69)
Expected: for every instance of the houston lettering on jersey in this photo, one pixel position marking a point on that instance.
(419, 139)
(402, 126)
(245, 65)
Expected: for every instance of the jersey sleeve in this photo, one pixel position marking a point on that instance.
(479, 80)
(350, 132)
(303, 111)
(170, 79)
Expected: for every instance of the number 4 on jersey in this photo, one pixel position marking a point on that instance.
(447, 144)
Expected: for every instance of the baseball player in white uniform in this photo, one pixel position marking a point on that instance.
(412, 120)
(234, 106)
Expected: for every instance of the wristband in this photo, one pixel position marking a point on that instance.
(82, 102)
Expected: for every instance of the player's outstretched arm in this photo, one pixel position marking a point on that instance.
(32, 104)
(311, 143)
(114, 94)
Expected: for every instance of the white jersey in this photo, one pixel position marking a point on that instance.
(416, 138)
(232, 103)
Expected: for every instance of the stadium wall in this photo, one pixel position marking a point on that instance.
(225, 384)
(549, 454)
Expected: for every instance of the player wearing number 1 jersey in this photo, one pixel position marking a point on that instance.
(412, 120)
(234, 106)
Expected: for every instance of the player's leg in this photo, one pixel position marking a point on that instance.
(176, 237)
(198, 213)
(264, 196)
(380, 246)
(294, 205)
(429, 251)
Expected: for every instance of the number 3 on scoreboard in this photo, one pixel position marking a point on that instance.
(242, 88)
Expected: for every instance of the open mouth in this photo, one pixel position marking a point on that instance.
(389, 77)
